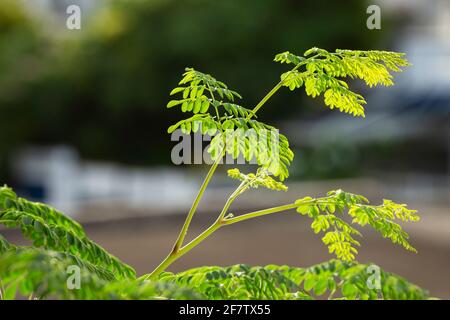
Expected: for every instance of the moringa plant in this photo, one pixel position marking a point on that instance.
(59, 243)
(237, 132)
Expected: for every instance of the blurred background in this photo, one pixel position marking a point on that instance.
(83, 123)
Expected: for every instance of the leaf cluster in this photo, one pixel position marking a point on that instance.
(49, 229)
(235, 128)
(324, 73)
(326, 213)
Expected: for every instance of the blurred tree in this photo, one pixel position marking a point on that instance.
(104, 91)
(22, 51)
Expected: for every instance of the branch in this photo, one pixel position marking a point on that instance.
(259, 213)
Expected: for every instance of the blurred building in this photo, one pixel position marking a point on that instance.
(59, 7)
(58, 176)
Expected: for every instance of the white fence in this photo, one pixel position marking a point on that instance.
(68, 183)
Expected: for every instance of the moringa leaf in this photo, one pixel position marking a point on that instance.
(340, 240)
(324, 73)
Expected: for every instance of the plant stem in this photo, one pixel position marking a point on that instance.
(264, 100)
(260, 213)
(264, 212)
(194, 206)
(273, 91)
(161, 267)
(230, 200)
(220, 222)
(175, 254)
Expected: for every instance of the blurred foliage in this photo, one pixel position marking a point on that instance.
(22, 48)
(333, 280)
(104, 89)
(331, 160)
(60, 244)
(41, 274)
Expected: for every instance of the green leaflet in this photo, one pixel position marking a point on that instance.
(339, 239)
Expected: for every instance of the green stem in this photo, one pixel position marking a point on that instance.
(205, 234)
(273, 91)
(216, 225)
(260, 213)
(174, 255)
(194, 206)
(230, 200)
(264, 100)
(187, 222)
